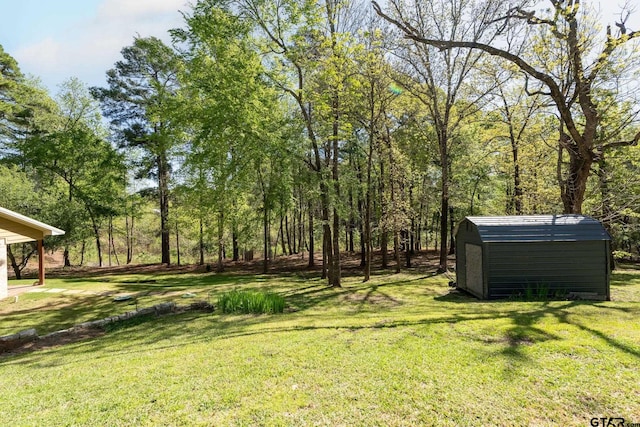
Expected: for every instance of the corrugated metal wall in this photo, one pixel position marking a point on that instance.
(557, 266)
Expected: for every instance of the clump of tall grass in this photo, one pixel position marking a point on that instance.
(251, 302)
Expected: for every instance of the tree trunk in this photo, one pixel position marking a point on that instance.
(109, 237)
(163, 190)
(82, 249)
(335, 277)
(384, 237)
(351, 223)
(65, 255)
(201, 241)
(413, 245)
(301, 227)
(96, 233)
(396, 250)
(574, 184)
(294, 231)
(112, 243)
(234, 242)
(26, 256)
(363, 250)
(328, 264)
(325, 248)
(311, 241)
(346, 236)
(282, 242)
(443, 226)
(288, 233)
(14, 264)
(394, 213)
(517, 185)
(452, 225)
(409, 244)
(367, 224)
(177, 244)
(129, 238)
(436, 232)
(444, 201)
(335, 274)
(266, 239)
(367, 247)
(220, 240)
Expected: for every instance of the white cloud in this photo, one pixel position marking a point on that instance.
(139, 8)
(46, 52)
(88, 49)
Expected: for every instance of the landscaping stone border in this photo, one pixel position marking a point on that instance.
(13, 341)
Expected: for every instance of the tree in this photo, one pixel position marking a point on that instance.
(440, 79)
(139, 102)
(76, 152)
(10, 83)
(232, 114)
(309, 57)
(569, 64)
(26, 109)
(80, 116)
(371, 114)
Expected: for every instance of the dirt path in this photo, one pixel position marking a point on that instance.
(18, 290)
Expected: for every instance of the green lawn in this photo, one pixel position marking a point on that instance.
(400, 350)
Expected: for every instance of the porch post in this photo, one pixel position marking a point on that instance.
(4, 286)
(40, 262)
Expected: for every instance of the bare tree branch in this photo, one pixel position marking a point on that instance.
(554, 90)
(623, 143)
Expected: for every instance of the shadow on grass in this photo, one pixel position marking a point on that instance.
(147, 282)
(162, 333)
(523, 331)
(65, 311)
(625, 279)
(60, 311)
(143, 340)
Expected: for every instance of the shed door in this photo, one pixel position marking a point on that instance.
(473, 255)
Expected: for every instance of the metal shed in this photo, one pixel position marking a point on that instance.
(504, 256)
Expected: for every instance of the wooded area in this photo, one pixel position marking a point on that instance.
(330, 127)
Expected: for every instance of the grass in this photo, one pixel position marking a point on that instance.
(400, 350)
(250, 302)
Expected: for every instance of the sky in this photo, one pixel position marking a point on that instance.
(54, 40)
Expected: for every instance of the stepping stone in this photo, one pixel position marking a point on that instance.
(73, 291)
(55, 290)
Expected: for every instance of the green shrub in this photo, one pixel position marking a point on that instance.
(623, 256)
(251, 302)
(540, 292)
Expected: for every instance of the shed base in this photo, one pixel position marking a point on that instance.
(591, 296)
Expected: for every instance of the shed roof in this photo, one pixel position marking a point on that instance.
(539, 228)
(16, 228)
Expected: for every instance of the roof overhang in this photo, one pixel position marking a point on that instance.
(16, 228)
